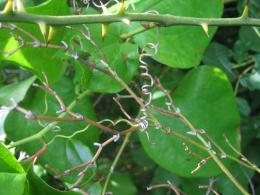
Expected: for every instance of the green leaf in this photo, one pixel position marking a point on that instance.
(141, 159)
(12, 176)
(161, 176)
(95, 189)
(82, 75)
(187, 185)
(71, 153)
(41, 103)
(180, 46)
(42, 59)
(123, 60)
(121, 56)
(249, 38)
(24, 127)
(28, 3)
(225, 186)
(12, 183)
(240, 52)
(206, 98)
(244, 107)
(219, 55)
(249, 128)
(8, 162)
(121, 183)
(254, 9)
(40, 187)
(252, 81)
(17, 91)
(2, 4)
(257, 190)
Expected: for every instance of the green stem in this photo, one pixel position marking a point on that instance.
(46, 129)
(121, 149)
(240, 77)
(161, 19)
(247, 63)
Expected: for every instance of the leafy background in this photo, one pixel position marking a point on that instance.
(214, 80)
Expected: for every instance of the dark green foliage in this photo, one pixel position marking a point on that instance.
(213, 79)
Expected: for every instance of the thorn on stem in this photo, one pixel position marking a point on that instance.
(8, 7)
(121, 8)
(245, 12)
(205, 28)
(20, 6)
(43, 29)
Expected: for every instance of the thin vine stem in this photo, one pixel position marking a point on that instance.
(121, 149)
(203, 142)
(210, 152)
(46, 129)
(213, 156)
(202, 147)
(161, 19)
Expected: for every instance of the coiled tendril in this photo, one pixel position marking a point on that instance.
(148, 79)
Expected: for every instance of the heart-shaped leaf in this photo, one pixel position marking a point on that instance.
(180, 46)
(12, 176)
(17, 91)
(37, 102)
(42, 59)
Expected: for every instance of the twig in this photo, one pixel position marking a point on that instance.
(18, 29)
(105, 63)
(240, 77)
(200, 164)
(243, 157)
(91, 65)
(118, 155)
(87, 165)
(137, 31)
(28, 114)
(165, 185)
(169, 104)
(187, 149)
(116, 99)
(64, 110)
(213, 155)
(210, 189)
(209, 149)
(46, 129)
(37, 44)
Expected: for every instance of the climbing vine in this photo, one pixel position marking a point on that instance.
(126, 97)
